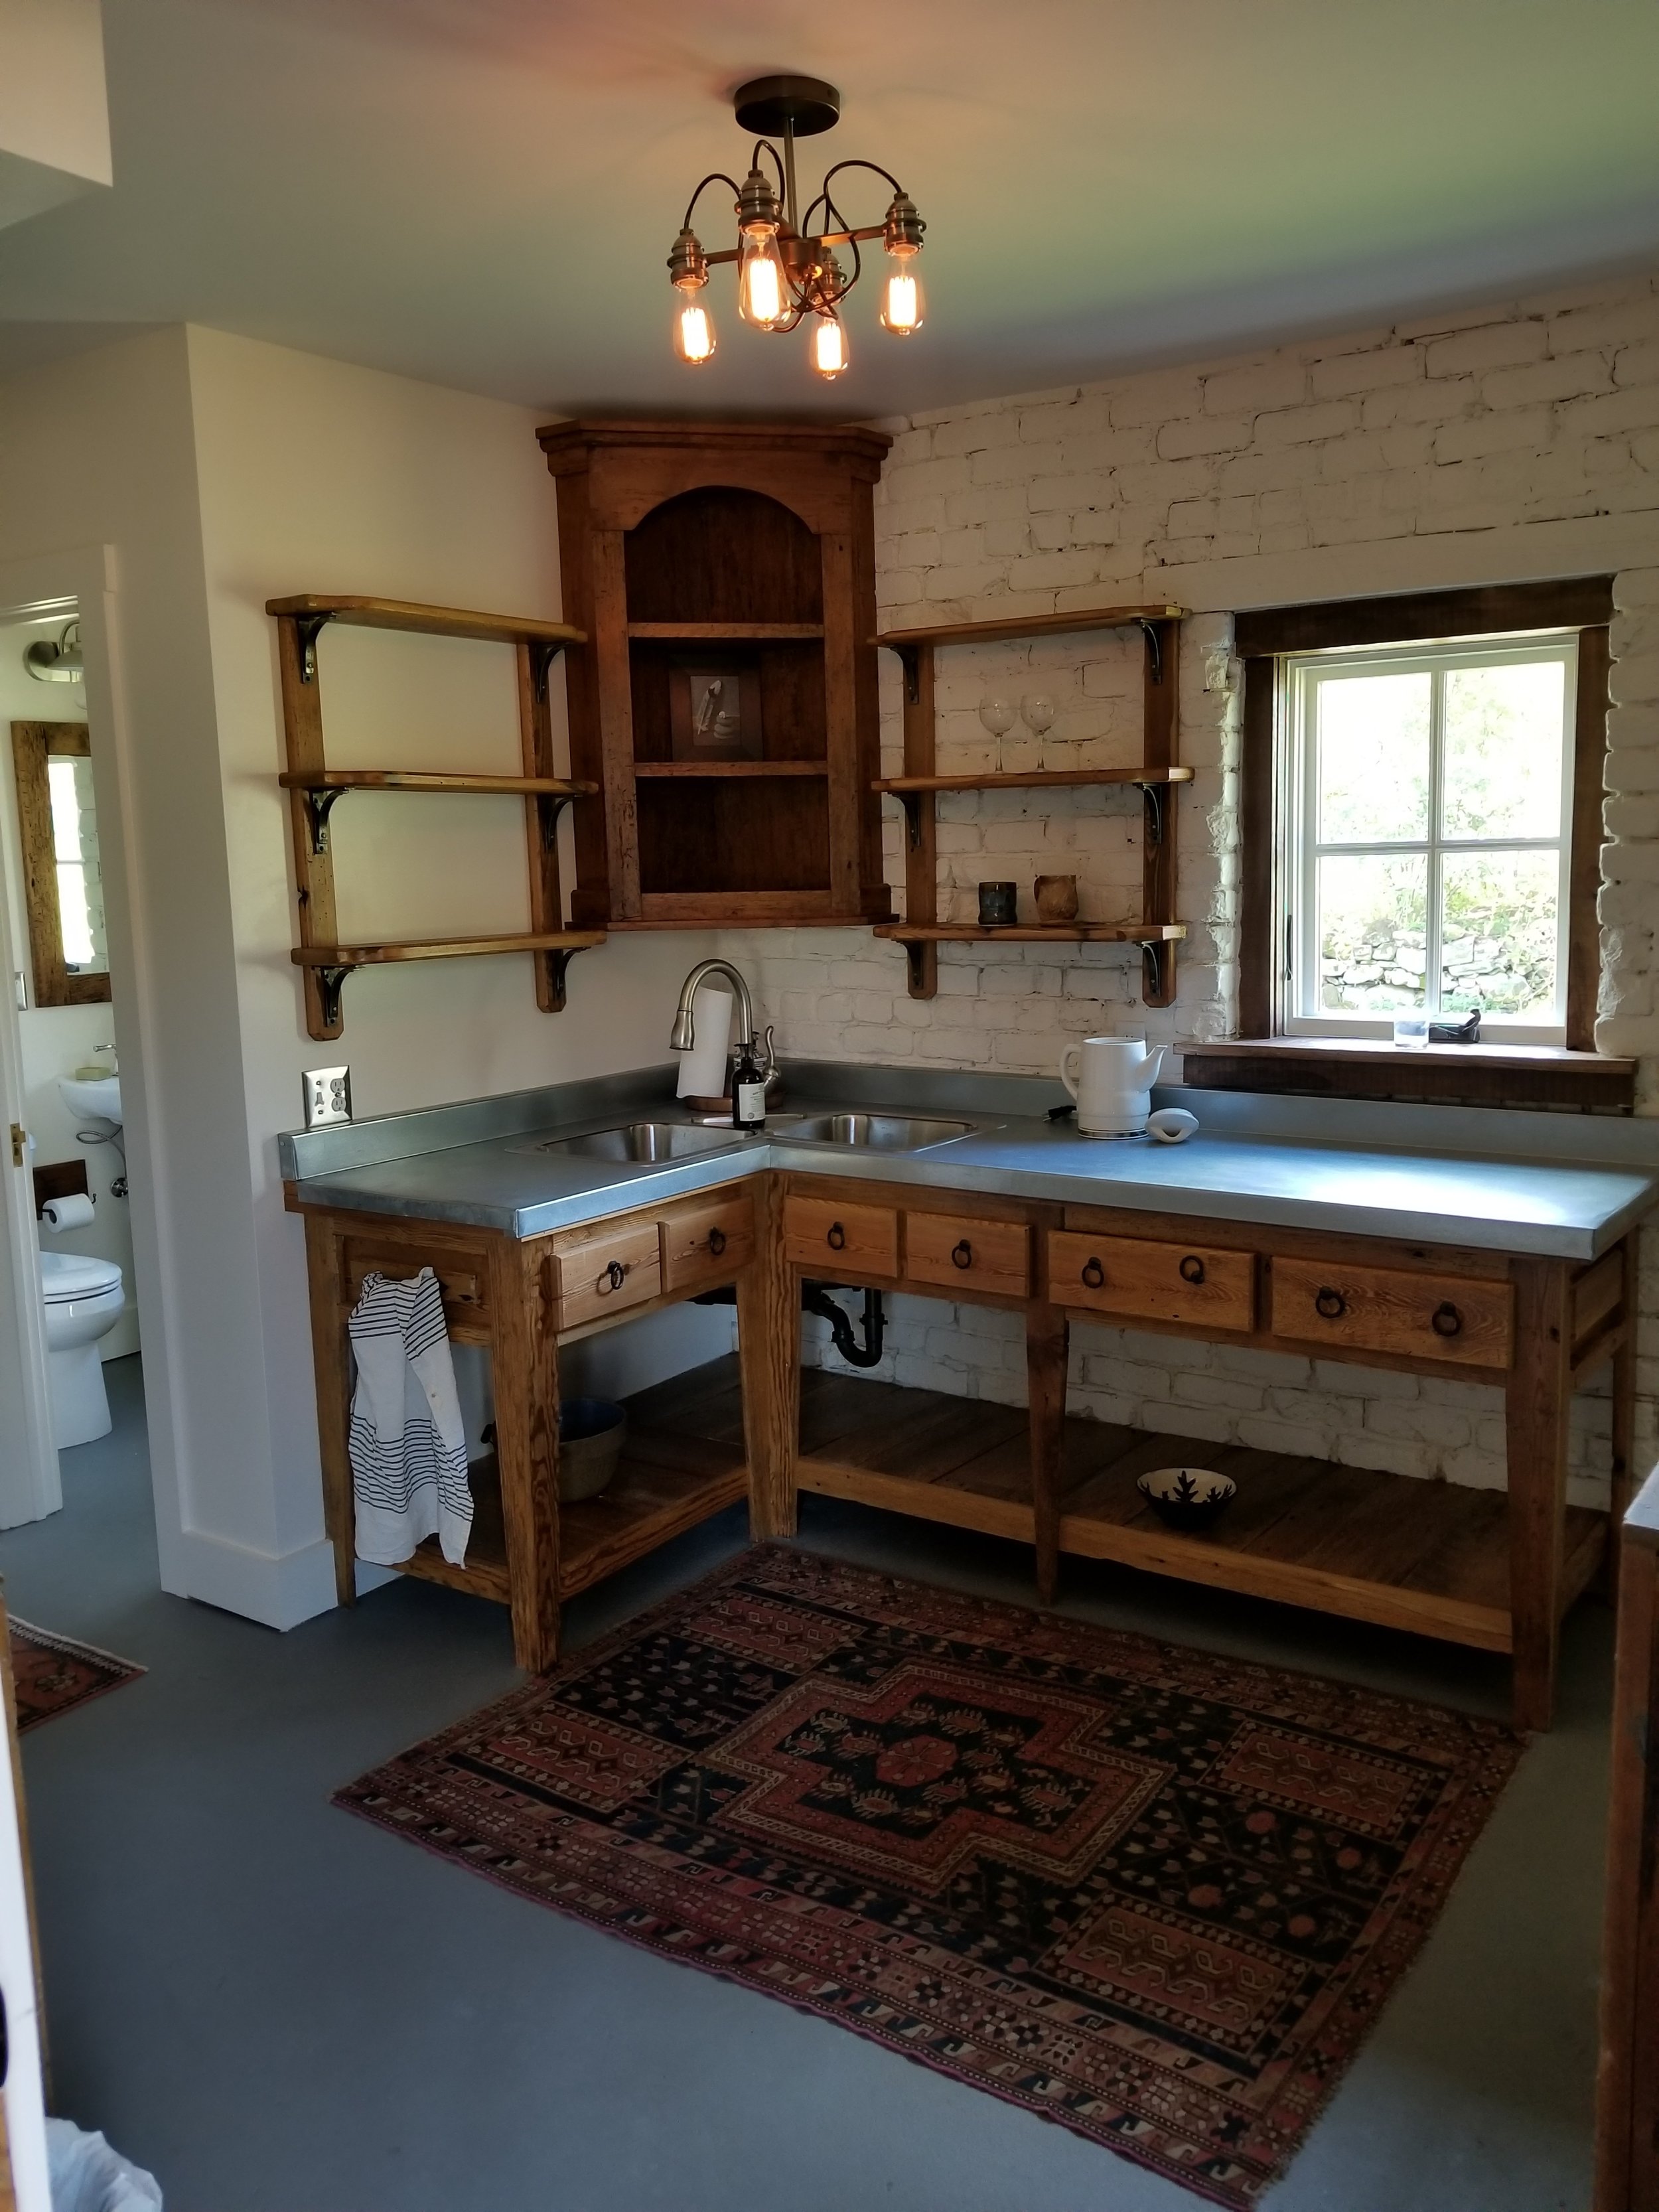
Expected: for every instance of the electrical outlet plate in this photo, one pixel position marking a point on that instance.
(328, 1096)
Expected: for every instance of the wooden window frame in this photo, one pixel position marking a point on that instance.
(1263, 1057)
(32, 744)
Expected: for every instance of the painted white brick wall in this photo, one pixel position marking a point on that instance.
(1504, 443)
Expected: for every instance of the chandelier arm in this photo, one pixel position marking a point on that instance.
(855, 164)
(714, 177)
(754, 162)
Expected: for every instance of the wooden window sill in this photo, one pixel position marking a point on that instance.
(1449, 1074)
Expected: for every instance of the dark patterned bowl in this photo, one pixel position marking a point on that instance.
(1188, 1498)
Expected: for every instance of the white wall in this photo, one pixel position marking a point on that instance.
(1493, 446)
(57, 1040)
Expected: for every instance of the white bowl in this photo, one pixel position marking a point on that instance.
(1188, 1498)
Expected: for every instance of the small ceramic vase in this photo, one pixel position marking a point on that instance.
(1056, 898)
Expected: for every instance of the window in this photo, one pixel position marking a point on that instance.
(1427, 802)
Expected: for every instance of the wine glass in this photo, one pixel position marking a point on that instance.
(1037, 711)
(996, 714)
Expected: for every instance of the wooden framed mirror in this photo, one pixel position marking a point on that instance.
(63, 884)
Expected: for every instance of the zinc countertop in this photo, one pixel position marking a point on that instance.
(476, 1163)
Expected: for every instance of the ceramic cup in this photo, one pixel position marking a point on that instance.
(996, 906)
(1056, 898)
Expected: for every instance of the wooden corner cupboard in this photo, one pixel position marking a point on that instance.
(746, 550)
(1495, 1570)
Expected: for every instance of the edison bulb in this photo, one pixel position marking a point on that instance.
(901, 303)
(763, 292)
(828, 346)
(694, 330)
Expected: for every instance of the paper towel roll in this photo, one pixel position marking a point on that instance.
(702, 1070)
(74, 1212)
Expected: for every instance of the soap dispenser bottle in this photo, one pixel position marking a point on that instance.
(749, 1076)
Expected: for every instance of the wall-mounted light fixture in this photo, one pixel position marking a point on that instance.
(787, 268)
(57, 663)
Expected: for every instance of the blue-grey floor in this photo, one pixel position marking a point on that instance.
(279, 2008)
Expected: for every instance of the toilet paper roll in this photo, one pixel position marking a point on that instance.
(74, 1212)
(702, 1070)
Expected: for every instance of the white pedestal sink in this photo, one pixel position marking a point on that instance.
(93, 1100)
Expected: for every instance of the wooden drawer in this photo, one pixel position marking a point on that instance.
(603, 1270)
(463, 1276)
(967, 1254)
(1387, 1309)
(827, 1235)
(1137, 1280)
(706, 1242)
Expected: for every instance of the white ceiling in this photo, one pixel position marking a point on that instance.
(483, 192)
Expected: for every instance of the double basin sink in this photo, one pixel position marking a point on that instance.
(679, 1141)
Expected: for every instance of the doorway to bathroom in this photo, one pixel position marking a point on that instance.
(75, 1332)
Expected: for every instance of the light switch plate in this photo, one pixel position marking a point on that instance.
(328, 1096)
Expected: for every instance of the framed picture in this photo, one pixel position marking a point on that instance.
(715, 708)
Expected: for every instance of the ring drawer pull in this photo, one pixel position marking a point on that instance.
(1331, 1303)
(716, 1241)
(1446, 1321)
(1093, 1274)
(1192, 1268)
(835, 1237)
(962, 1255)
(612, 1279)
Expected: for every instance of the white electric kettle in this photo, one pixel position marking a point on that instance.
(1112, 1083)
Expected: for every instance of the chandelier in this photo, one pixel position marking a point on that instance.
(788, 270)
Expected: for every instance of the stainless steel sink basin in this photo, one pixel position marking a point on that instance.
(874, 1132)
(639, 1140)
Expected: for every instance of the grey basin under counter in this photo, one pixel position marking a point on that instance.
(1560, 1185)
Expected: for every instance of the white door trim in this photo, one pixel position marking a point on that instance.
(29, 1487)
(88, 575)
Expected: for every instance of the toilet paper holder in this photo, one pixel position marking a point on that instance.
(59, 1179)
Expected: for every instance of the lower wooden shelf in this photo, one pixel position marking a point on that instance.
(1428, 1557)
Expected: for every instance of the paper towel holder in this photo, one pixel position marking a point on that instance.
(60, 1179)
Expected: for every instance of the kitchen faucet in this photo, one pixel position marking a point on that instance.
(683, 1034)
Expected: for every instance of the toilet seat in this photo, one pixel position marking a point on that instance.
(67, 1276)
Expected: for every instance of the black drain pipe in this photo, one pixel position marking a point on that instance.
(815, 1299)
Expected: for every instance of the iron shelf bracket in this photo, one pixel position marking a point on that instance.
(910, 662)
(1149, 630)
(320, 804)
(558, 960)
(1154, 968)
(331, 981)
(1156, 796)
(543, 651)
(911, 802)
(915, 953)
(307, 630)
(550, 805)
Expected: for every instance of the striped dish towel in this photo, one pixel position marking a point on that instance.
(408, 1445)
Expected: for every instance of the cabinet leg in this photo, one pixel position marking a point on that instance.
(1539, 1394)
(1048, 1337)
(768, 1354)
(526, 1378)
(331, 1354)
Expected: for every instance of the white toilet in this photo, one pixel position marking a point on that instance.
(84, 1299)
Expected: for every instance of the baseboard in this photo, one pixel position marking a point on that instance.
(278, 1590)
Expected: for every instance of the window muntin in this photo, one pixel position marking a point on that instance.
(1429, 798)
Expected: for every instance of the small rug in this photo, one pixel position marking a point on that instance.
(55, 1673)
(1158, 1896)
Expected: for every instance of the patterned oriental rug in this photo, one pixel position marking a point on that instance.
(55, 1673)
(1157, 1896)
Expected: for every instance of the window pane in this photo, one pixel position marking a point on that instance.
(1504, 751)
(1371, 926)
(1499, 932)
(1373, 758)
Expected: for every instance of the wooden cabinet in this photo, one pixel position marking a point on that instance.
(964, 1254)
(702, 1243)
(745, 554)
(827, 1233)
(1358, 1309)
(601, 1271)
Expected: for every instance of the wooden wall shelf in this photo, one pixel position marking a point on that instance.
(314, 788)
(753, 542)
(1157, 776)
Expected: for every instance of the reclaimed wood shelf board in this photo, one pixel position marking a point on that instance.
(1379, 1051)
(668, 1481)
(444, 948)
(398, 778)
(724, 633)
(1428, 1557)
(648, 768)
(1065, 933)
(1016, 625)
(367, 613)
(1037, 779)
